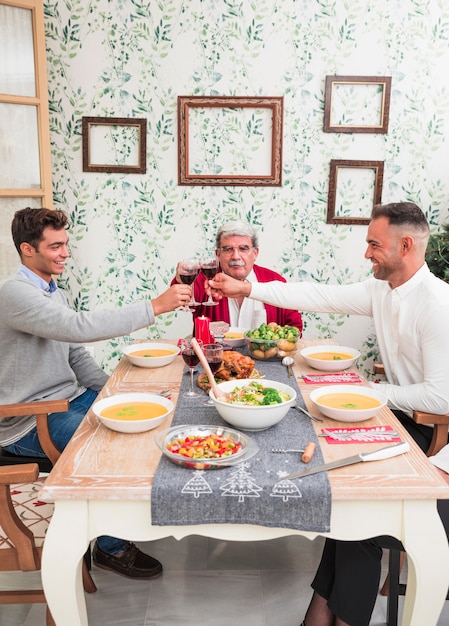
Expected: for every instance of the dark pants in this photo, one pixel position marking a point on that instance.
(349, 572)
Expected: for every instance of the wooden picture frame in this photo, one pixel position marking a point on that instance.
(114, 145)
(354, 188)
(227, 140)
(357, 104)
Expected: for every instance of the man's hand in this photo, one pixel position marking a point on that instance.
(176, 295)
(224, 286)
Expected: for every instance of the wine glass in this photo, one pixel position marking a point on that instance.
(191, 359)
(209, 267)
(188, 271)
(214, 355)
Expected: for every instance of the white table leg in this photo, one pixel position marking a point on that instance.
(65, 543)
(427, 557)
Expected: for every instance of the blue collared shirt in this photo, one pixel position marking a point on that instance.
(37, 280)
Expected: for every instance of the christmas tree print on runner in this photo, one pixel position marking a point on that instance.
(285, 489)
(197, 485)
(241, 484)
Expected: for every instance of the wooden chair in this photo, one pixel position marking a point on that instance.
(22, 531)
(392, 587)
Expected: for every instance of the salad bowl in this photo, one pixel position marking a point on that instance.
(253, 416)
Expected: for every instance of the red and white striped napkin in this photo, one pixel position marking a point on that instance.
(369, 434)
(347, 378)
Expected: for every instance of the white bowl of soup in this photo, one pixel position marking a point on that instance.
(348, 403)
(133, 412)
(245, 410)
(235, 337)
(330, 358)
(151, 354)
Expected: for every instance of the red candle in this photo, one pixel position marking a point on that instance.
(202, 329)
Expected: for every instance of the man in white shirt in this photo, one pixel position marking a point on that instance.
(410, 309)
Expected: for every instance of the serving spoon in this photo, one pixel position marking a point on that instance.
(288, 362)
(219, 393)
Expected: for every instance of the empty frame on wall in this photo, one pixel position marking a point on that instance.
(114, 145)
(227, 140)
(357, 104)
(354, 188)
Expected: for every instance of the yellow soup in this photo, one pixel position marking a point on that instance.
(152, 353)
(134, 411)
(351, 401)
(232, 335)
(330, 356)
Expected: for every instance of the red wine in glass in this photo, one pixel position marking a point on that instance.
(214, 364)
(188, 279)
(190, 357)
(209, 267)
(188, 271)
(214, 355)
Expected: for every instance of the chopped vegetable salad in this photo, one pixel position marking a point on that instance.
(255, 394)
(211, 446)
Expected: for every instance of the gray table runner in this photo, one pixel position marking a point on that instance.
(254, 491)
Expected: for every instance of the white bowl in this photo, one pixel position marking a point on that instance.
(149, 347)
(331, 365)
(253, 418)
(347, 413)
(130, 425)
(239, 337)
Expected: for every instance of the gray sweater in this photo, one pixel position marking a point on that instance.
(42, 356)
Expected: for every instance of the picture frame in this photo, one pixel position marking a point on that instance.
(114, 145)
(355, 187)
(357, 104)
(228, 140)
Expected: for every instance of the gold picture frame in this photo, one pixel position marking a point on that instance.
(114, 145)
(227, 140)
(357, 104)
(354, 188)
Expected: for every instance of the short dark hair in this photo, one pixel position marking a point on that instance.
(402, 214)
(28, 225)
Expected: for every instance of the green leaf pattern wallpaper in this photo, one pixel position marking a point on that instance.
(132, 58)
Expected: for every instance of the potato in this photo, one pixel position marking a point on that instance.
(286, 346)
(271, 352)
(258, 354)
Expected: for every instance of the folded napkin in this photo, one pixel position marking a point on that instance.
(347, 378)
(371, 434)
(254, 491)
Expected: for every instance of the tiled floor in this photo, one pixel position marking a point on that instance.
(206, 582)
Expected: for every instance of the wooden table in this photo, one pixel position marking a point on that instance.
(102, 485)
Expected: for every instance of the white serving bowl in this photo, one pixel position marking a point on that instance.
(130, 425)
(345, 413)
(253, 418)
(239, 337)
(151, 361)
(325, 365)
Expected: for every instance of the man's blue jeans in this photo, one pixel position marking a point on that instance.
(62, 426)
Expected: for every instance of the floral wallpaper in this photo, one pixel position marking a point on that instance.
(117, 58)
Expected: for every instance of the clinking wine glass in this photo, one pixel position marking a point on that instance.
(209, 267)
(188, 271)
(214, 356)
(191, 359)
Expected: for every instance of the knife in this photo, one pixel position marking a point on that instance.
(382, 453)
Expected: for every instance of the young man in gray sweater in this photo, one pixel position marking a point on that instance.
(43, 356)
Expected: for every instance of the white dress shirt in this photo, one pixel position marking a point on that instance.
(411, 323)
(244, 316)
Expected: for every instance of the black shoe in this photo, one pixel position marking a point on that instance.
(132, 563)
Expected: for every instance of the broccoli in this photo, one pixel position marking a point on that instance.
(271, 396)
